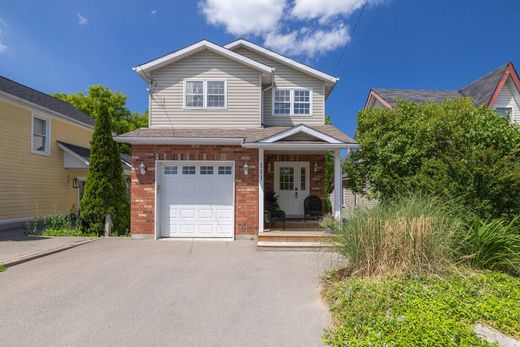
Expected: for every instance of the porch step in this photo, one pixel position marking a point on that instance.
(294, 240)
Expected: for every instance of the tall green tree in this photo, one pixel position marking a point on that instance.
(105, 189)
(453, 149)
(122, 120)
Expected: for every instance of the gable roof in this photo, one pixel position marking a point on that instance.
(42, 100)
(283, 59)
(182, 53)
(482, 91)
(83, 154)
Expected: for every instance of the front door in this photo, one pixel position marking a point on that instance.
(291, 184)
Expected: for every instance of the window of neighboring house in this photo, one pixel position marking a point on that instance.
(205, 94)
(504, 111)
(40, 135)
(289, 102)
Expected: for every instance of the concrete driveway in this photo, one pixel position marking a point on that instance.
(165, 293)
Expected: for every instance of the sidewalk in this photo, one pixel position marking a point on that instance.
(16, 247)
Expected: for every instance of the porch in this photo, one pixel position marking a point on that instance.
(298, 234)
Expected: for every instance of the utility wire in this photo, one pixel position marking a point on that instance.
(351, 37)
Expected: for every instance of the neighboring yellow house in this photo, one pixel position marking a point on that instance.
(44, 154)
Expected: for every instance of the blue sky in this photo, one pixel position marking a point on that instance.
(66, 46)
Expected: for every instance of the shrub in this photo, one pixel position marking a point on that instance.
(452, 149)
(105, 189)
(409, 234)
(493, 244)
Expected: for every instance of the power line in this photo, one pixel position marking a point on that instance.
(351, 37)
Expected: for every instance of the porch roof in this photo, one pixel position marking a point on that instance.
(233, 136)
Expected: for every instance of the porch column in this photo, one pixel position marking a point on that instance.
(338, 185)
(260, 190)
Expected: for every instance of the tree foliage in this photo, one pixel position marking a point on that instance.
(453, 149)
(121, 119)
(105, 189)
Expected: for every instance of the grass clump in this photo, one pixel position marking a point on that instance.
(55, 225)
(493, 244)
(421, 310)
(2, 267)
(407, 235)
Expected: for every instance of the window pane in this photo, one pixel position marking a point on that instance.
(206, 170)
(224, 170)
(282, 102)
(302, 108)
(301, 96)
(194, 87)
(302, 102)
(194, 94)
(286, 178)
(39, 126)
(188, 170)
(504, 111)
(170, 170)
(216, 101)
(303, 178)
(216, 87)
(39, 143)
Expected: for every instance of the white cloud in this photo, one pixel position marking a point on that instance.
(324, 10)
(3, 46)
(294, 27)
(153, 12)
(308, 42)
(240, 17)
(81, 20)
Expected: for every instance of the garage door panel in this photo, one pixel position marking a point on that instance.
(196, 205)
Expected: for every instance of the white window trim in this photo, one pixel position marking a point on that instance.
(291, 113)
(204, 94)
(47, 136)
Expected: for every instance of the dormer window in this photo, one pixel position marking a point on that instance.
(205, 94)
(292, 102)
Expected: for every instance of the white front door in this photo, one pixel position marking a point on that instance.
(196, 199)
(291, 184)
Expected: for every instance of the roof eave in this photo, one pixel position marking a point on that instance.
(331, 80)
(170, 140)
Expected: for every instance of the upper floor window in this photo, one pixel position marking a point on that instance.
(40, 135)
(205, 94)
(504, 111)
(288, 102)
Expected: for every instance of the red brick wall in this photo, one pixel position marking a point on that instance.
(316, 179)
(143, 186)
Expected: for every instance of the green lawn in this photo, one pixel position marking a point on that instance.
(421, 311)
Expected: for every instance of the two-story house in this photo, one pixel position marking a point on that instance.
(499, 90)
(227, 125)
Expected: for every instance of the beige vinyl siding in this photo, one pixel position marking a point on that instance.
(287, 77)
(506, 98)
(36, 184)
(243, 94)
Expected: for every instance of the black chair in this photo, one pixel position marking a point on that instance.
(312, 207)
(272, 214)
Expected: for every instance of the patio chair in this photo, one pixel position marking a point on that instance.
(273, 214)
(312, 207)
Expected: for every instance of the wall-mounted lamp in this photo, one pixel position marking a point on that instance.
(246, 169)
(75, 182)
(269, 167)
(316, 166)
(142, 168)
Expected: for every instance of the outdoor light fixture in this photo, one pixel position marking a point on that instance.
(246, 169)
(269, 167)
(142, 168)
(316, 166)
(75, 182)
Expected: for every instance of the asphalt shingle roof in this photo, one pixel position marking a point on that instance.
(85, 153)
(36, 97)
(249, 135)
(480, 91)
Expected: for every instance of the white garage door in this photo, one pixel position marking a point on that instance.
(196, 199)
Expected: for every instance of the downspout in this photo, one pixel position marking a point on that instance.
(262, 99)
